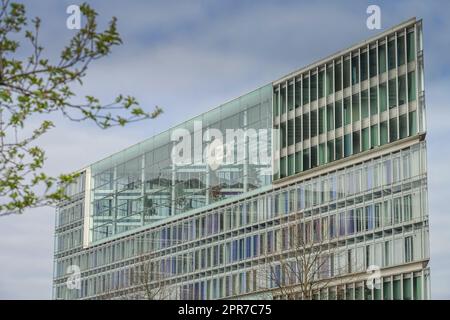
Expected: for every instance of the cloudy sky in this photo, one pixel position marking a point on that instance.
(189, 56)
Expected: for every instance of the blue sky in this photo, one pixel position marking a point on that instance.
(190, 56)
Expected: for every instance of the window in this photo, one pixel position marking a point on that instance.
(355, 70)
(393, 134)
(400, 50)
(411, 86)
(313, 123)
(364, 104)
(383, 97)
(356, 142)
(305, 159)
(382, 58)
(337, 76)
(387, 253)
(322, 159)
(305, 126)
(409, 249)
(283, 167)
(347, 111)
(322, 120)
(363, 59)
(338, 114)
(298, 94)
(392, 93)
(347, 145)
(330, 151)
(373, 100)
(355, 107)
(412, 123)
(283, 100)
(338, 149)
(313, 87)
(391, 54)
(401, 90)
(403, 122)
(313, 156)
(373, 62)
(298, 129)
(365, 139)
(411, 47)
(290, 165)
(346, 73)
(330, 121)
(305, 91)
(329, 79)
(321, 84)
(383, 133)
(275, 104)
(298, 162)
(290, 132)
(291, 96)
(407, 208)
(374, 136)
(283, 135)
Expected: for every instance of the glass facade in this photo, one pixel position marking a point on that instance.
(358, 101)
(204, 232)
(143, 184)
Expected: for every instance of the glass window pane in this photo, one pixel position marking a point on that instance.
(373, 62)
(330, 151)
(290, 132)
(347, 114)
(338, 76)
(298, 129)
(338, 148)
(298, 162)
(356, 142)
(355, 70)
(321, 84)
(346, 73)
(383, 97)
(347, 145)
(313, 123)
(383, 133)
(338, 114)
(298, 94)
(322, 159)
(322, 120)
(391, 54)
(291, 96)
(411, 54)
(313, 87)
(329, 80)
(305, 159)
(412, 123)
(403, 126)
(364, 104)
(330, 121)
(363, 59)
(392, 93)
(374, 136)
(314, 157)
(401, 90)
(305, 90)
(373, 100)
(365, 139)
(400, 50)
(411, 86)
(283, 100)
(382, 58)
(393, 130)
(305, 126)
(355, 107)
